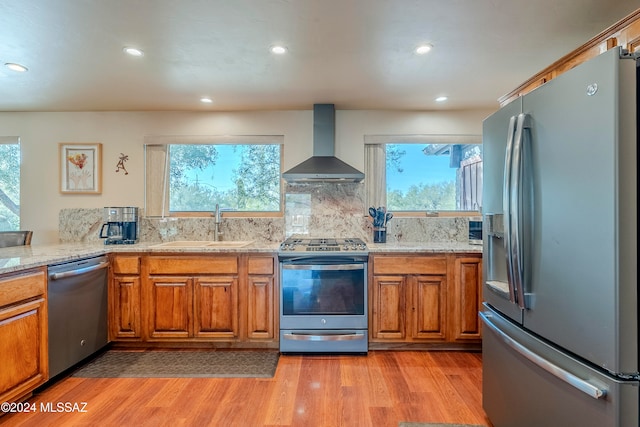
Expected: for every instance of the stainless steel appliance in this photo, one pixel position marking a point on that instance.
(323, 166)
(560, 342)
(120, 226)
(323, 295)
(77, 310)
(475, 232)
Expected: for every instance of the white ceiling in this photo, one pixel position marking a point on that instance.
(356, 54)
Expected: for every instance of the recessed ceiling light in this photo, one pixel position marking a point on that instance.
(441, 98)
(206, 100)
(278, 50)
(16, 67)
(422, 49)
(133, 51)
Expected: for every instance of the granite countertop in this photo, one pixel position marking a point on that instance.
(409, 247)
(23, 257)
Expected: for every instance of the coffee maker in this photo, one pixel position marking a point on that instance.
(120, 226)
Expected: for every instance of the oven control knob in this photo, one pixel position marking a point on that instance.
(323, 321)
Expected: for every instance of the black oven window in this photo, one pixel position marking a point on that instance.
(323, 292)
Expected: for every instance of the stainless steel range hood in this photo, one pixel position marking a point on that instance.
(323, 166)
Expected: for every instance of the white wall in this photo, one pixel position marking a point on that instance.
(124, 132)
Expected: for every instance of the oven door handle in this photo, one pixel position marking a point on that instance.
(324, 337)
(339, 267)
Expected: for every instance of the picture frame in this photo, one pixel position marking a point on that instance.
(80, 168)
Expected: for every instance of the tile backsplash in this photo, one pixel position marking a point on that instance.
(322, 209)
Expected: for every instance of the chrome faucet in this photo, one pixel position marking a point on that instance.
(218, 220)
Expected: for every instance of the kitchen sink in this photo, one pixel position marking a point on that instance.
(204, 244)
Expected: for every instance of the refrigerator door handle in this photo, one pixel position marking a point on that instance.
(580, 384)
(515, 208)
(506, 206)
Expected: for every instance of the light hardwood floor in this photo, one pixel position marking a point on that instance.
(380, 389)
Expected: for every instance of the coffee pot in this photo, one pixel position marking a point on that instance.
(111, 231)
(120, 226)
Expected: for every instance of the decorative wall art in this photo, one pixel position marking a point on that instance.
(120, 165)
(80, 168)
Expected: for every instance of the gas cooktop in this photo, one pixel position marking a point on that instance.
(323, 245)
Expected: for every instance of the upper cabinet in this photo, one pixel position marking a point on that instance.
(625, 33)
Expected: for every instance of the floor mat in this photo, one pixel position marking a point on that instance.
(181, 364)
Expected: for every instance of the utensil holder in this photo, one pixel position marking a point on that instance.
(380, 235)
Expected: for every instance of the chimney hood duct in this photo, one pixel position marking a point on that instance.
(323, 166)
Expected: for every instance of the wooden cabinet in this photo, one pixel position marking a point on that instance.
(261, 295)
(23, 333)
(125, 319)
(466, 297)
(215, 297)
(427, 305)
(170, 307)
(625, 33)
(631, 36)
(388, 308)
(192, 297)
(425, 299)
(216, 307)
(409, 298)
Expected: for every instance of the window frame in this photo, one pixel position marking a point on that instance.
(375, 169)
(15, 140)
(159, 198)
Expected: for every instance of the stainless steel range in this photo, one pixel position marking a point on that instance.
(323, 296)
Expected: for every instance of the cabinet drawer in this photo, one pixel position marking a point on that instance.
(18, 287)
(193, 266)
(125, 264)
(409, 265)
(260, 265)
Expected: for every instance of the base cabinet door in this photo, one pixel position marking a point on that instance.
(24, 360)
(260, 301)
(125, 298)
(216, 307)
(466, 298)
(389, 307)
(260, 307)
(124, 314)
(426, 307)
(170, 307)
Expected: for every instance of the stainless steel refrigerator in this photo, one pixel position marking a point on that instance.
(560, 312)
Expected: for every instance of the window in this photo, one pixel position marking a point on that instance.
(240, 174)
(9, 183)
(425, 173)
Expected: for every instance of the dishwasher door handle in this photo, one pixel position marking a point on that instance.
(78, 272)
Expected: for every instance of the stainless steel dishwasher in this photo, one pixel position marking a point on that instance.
(77, 305)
